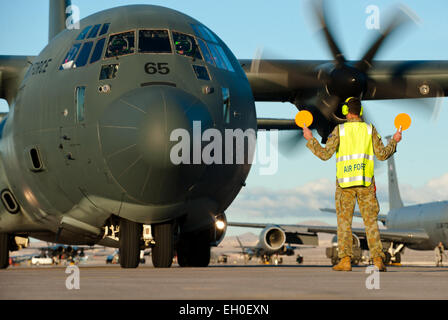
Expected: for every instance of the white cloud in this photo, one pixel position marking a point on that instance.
(299, 202)
(303, 202)
(434, 190)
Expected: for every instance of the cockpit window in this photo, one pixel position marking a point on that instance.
(204, 33)
(68, 61)
(83, 33)
(84, 54)
(224, 58)
(120, 44)
(104, 29)
(205, 52)
(96, 55)
(186, 45)
(217, 57)
(154, 41)
(216, 54)
(94, 31)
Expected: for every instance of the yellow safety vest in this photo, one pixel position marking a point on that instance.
(354, 157)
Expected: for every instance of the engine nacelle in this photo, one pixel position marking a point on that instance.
(272, 238)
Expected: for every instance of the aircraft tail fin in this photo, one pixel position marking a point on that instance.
(395, 201)
(241, 244)
(57, 17)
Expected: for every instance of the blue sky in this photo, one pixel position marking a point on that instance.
(283, 28)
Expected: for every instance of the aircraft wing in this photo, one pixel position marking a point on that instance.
(284, 80)
(12, 71)
(411, 236)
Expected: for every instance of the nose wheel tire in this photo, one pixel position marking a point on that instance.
(163, 250)
(130, 234)
(194, 249)
(4, 250)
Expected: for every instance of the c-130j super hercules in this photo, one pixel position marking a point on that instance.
(85, 146)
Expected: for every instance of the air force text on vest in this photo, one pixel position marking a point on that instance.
(355, 167)
(238, 147)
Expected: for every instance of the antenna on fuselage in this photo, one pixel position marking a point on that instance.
(395, 201)
(57, 17)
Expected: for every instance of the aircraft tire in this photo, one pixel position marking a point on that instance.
(194, 249)
(4, 250)
(130, 233)
(183, 251)
(201, 256)
(163, 250)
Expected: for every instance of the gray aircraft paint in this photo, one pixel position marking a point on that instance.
(431, 217)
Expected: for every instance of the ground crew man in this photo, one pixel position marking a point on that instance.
(439, 251)
(355, 143)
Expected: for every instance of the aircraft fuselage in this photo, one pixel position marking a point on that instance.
(431, 217)
(88, 135)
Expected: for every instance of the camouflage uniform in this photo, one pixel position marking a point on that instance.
(345, 198)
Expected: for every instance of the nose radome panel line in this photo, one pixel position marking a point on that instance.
(148, 174)
(130, 166)
(133, 106)
(121, 150)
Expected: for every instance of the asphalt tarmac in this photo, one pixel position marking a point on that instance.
(224, 282)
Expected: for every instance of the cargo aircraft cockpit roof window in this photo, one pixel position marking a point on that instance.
(94, 31)
(186, 45)
(104, 29)
(154, 41)
(83, 33)
(120, 44)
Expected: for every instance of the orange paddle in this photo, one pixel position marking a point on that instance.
(304, 118)
(402, 121)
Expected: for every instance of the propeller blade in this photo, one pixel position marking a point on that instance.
(328, 105)
(402, 17)
(319, 11)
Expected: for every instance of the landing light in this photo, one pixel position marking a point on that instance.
(220, 225)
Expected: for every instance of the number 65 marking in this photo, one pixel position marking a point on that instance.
(160, 67)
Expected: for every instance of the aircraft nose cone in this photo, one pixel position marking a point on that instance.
(135, 135)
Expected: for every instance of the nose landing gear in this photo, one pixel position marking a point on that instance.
(163, 250)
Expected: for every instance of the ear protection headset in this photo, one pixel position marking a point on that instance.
(345, 107)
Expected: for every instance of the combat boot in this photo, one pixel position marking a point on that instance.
(378, 262)
(344, 265)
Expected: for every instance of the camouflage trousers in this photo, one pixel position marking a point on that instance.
(368, 205)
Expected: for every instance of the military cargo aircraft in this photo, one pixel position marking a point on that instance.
(85, 147)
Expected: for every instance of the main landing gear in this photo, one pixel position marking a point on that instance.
(193, 248)
(131, 242)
